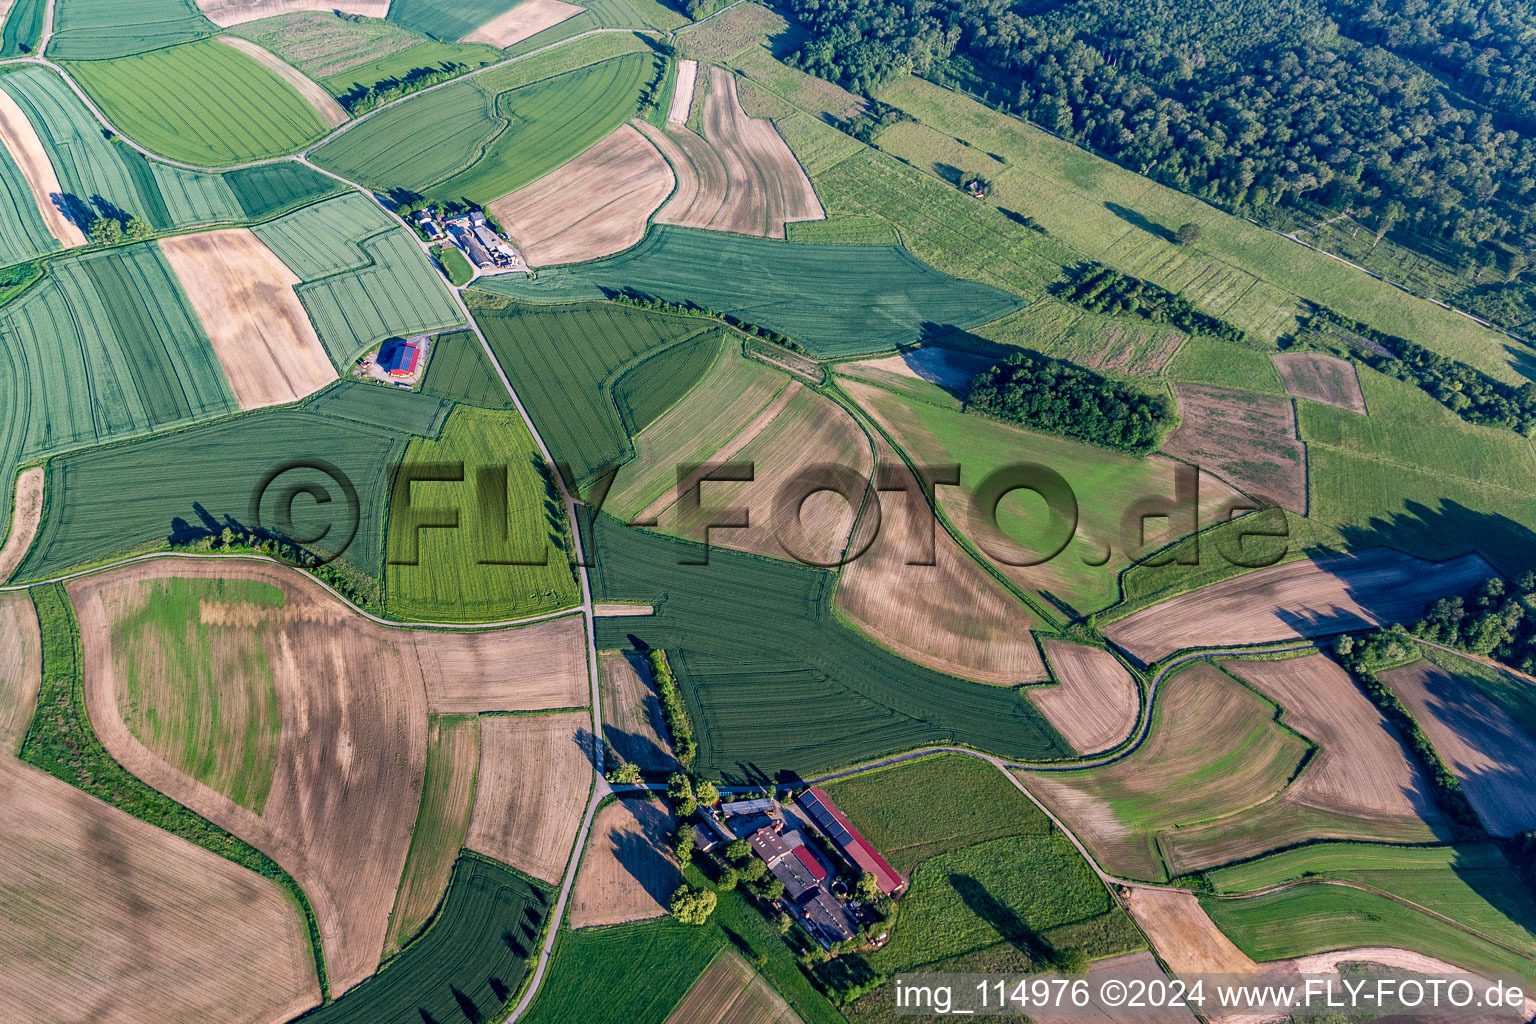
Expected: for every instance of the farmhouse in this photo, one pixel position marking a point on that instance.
(427, 221)
(848, 841)
(399, 357)
(472, 233)
(795, 864)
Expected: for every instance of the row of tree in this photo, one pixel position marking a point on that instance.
(684, 747)
(1063, 398)
(1099, 289)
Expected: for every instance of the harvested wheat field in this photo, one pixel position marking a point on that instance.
(740, 176)
(632, 722)
(1094, 703)
(1487, 750)
(107, 918)
(535, 667)
(225, 13)
(682, 92)
(21, 661)
(801, 433)
(730, 992)
(1307, 598)
(244, 296)
(595, 205)
(1249, 440)
(949, 615)
(535, 774)
(528, 18)
(621, 609)
(20, 138)
(324, 103)
(628, 871)
(1321, 378)
(1128, 964)
(26, 515)
(1184, 935)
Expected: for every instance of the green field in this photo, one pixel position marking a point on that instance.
(869, 297)
(468, 140)
(466, 966)
(198, 657)
(759, 642)
(441, 823)
(644, 392)
(143, 495)
(95, 29)
(1223, 364)
(507, 558)
(1318, 918)
(454, 264)
(1473, 885)
(203, 103)
(365, 278)
(1122, 345)
(103, 348)
(23, 234)
(562, 363)
(23, 27)
(447, 20)
(459, 370)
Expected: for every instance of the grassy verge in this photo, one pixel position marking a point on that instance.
(454, 264)
(61, 742)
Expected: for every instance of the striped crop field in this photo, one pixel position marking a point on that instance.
(99, 29)
(447, 20)
(103, 348)
(23, 234)
(868, 298)
(467, 141)
(365, 278)
(204, 103)
(23, 27)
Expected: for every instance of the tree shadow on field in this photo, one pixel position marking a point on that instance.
(950, 173)
(467, 1006)
(1002, 918)
(1136, 219)
(1445, 531)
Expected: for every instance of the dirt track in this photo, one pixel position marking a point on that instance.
(26, 515)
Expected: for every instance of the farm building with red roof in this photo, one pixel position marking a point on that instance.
(399, 357)
(849, 841)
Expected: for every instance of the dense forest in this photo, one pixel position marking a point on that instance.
(1099, 289)
(1048, 394)
(1417, 116)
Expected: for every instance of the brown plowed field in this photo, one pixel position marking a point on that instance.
(324, 103)
(743, 178)
(628, 872)
(1321, 378)
(1184, 934)
(1095, 701)
(1248, 439)
(535, 774)
(595, 205)
(244, 296)
(682, 92)
(535, 667)
(1487, 750)
(26, 514)
(351, 756)
(528, 18)
(1307, 598)
(730, 992)
(225, 13)
(20, 138)
(21, 661)
(632, 722)
(950, 616)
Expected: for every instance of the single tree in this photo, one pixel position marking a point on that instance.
(680, 790)
(729, 879)
(754, 870)
(868, 888)
(105, 231)
(625, 773)
(682, 844)
(692, 906)
(138, 230)
(1189, 233)
(772, 889)
(1074, 960)
(738, 851)
(707, 793)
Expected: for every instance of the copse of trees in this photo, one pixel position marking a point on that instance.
(1099, 289)
(1492, 619)
(1048, 394)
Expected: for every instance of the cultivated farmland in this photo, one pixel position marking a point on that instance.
(25, 515)
(464, 968)
(204, 103)
(1481, 743)
(1095, 701)
(951, 369)
(448, 20)
(1214, 751)
(507, 554)
(872, 298)
(595, 205)
(244, 297)
(730, 992)
(21, 653)
(527, 18)
(1184, 934)
(628, 870)
(447, 795)
(761, 643)
(225, 13)
(468, 140)
(526, 668)
(20, 139)
(1321, 378)
(740, 176)
(97, 29)
(653, 963)
(1250, 440)
(346, 54)
(632, 722)
(1312, 597)
(936, 606)
(329, 110)
(535, 774)
(682, 92)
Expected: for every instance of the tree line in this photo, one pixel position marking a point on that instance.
(1099, 289)
(1492, 619)
(1063, 398)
